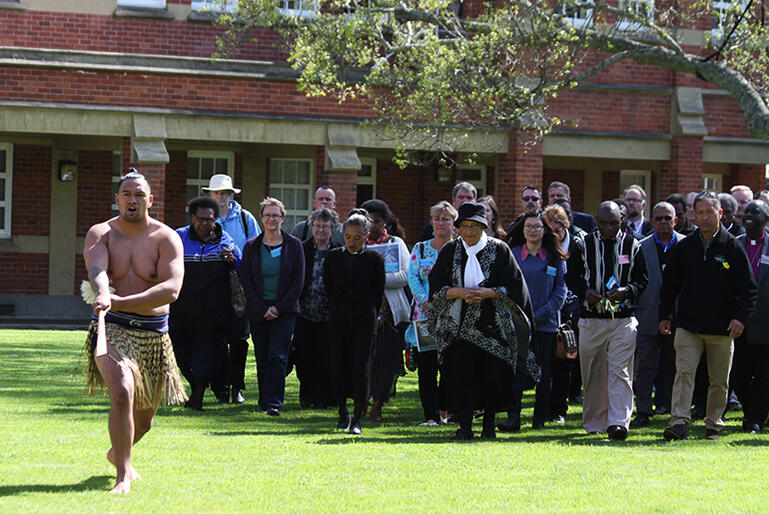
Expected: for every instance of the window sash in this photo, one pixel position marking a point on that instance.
(154, 4)
(479, 183)
(7, 177)
(200, 181)
(580, 16)
(637, 7)
(214, 5)
(288, 186)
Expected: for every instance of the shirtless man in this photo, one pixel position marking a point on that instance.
(142, 259)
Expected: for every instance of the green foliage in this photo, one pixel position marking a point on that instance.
(232, 458)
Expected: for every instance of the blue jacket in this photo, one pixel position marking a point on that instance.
(204, 301)
(546, 287)
(233, 225)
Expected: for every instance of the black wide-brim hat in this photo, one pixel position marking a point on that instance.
(472, 211)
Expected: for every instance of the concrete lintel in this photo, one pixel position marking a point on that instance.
(149, 127)
(606, 147)
(687, 112)
(24, 244)
(40, 120)
(149, 152)
(689, 100)
(144, 12)
(735, 152)
(342, 159)
(343, 134)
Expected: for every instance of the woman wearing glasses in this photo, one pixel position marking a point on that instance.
(311, 353)
(273, 278)
(542, 261)
(477, 312)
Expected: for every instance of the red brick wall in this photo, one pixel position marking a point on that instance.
(24, 273)
(751, 175)
(80, 273)
(724, 118)
(31, 191)
(575, 179)
(683, 172)
(176, 192)
(521, 166)
(94, 189)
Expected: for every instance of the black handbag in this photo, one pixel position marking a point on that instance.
(566, 345)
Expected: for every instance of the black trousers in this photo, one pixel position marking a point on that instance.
(432, 393)
(544, 349)
(199, 353)
(312, 360)
(351, 338)
(650, 351)
(750, 379)
(232, 372)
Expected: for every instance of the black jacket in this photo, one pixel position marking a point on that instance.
(354, 283)
(711, 287)
(309, 256)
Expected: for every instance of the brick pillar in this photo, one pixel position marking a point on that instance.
(343, 182)
(683, 172)
(156, 176)
(751, 175)
(521, 166)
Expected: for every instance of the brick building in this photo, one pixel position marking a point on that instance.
(88, 88)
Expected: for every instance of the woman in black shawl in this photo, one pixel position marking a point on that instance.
(479, 312)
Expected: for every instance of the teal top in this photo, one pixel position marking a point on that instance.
(270, 271)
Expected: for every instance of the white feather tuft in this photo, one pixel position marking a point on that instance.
(88, 293)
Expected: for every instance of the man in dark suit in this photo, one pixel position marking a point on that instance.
(750, 369)
(729, 206)
(650, 344)
(560, 191)
(635, 198)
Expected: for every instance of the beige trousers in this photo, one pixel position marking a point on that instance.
(719, 351)
(606, 355)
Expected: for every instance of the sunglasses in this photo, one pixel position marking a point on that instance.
(530, 198)
(663, 218)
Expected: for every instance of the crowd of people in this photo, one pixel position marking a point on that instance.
(665, 309)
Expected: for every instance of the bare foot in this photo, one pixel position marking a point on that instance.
(122, 487)
(132, 473)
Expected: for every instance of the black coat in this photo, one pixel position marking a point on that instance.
(309, 255)
(711, 287)
(354, 283)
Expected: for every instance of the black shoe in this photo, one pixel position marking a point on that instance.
(237, 396)
(273, 411)
(356, 428)
(513, 424)
(751, 428)
(640, 421)
(617, 433)
(463, 434)
(537, 425)
(711, 434)
(675, 433)
(193, 406)
(223, 398)
(662, 410)
(344, 422)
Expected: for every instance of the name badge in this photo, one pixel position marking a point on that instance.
(624, 259)
(765, 259)
(551, 271)
(276, 252)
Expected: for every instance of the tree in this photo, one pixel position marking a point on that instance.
(428, 67)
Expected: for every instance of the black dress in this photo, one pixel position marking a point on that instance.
(355, 287)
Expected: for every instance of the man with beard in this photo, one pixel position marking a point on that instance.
(635, 198)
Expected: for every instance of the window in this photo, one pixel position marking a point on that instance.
(724, 15)
(214, 5)
(201, 166)
(641, 178)
(641, 8)
(291, 182)
(301, 8)
(576, 14)
(476, 175)
(117, 172)
(366, 181)
(6, 175)
(154, 4)
(711, 182)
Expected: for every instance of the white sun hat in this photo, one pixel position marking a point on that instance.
(221, 182)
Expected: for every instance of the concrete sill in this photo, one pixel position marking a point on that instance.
(143, 12)
(12, 5)
(203, 16)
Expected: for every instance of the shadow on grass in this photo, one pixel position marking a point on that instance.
(99, 482)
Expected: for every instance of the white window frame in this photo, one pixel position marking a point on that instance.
(368, 181)
(302, 11)
(214, 5)
(202, 182)
(717, 181)
(151, 4)
(721, 7)
(5, 233)
(117, 173)
(633, 7)
(480, 185)
(300, 214)
(647, 184)
(578, 21)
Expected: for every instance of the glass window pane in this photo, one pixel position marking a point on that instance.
(365, 192)
(206, 167)
(220, 166)
(193, 167)
(276, 172)
(302, 200)
(303, 174)
(2, 218)
(289, 199)
(276, 192)
(192, 192)
(117, 165)
(365, 170)
(289, 172)
(2, 189)
(289, 223)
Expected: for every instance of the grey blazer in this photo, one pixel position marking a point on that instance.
(758, 326)
(647, 312)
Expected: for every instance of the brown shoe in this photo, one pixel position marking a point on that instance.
(675, 433)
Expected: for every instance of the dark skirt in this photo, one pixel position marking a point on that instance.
(199, 352)
(386, 361)
(351, 338)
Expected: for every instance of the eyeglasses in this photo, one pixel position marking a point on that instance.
(531, 198)
(272, 216)
(634, 200)
(204, 220)
(533, 228)
(471, 227)
(663, 218)
(322, 227)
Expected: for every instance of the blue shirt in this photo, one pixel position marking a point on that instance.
(547, 288)
(233, 225)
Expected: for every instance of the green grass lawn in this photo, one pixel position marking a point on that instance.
(53, 438)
